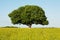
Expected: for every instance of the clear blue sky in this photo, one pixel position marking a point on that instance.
(51, 7)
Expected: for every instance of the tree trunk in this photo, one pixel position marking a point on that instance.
(29, 26)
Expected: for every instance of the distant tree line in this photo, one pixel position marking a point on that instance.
(9, 27)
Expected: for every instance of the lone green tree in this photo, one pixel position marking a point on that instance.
(28, 15)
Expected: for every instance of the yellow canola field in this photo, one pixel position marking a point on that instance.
(29, 33)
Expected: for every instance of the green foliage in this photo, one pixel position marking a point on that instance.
(28, 15)
(45, 22)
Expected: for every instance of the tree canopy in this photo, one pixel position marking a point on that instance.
(28, 15)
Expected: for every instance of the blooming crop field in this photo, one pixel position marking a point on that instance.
(29, 34)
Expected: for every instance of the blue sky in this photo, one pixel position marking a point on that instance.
(51, 7)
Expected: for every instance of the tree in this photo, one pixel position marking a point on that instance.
(28, 15)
